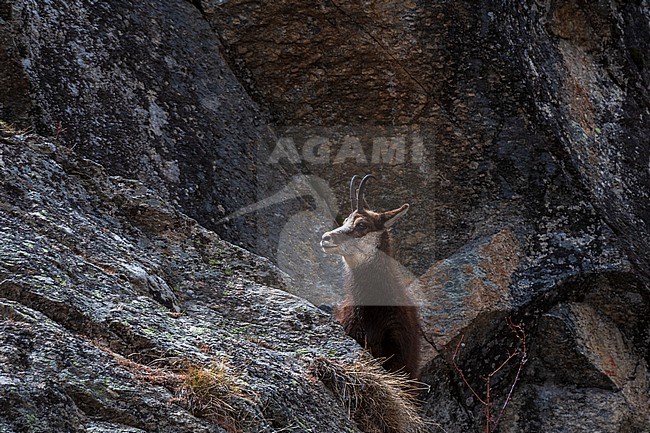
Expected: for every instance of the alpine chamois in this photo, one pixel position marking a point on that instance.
(377, 310)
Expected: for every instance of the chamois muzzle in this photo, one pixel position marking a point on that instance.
(326, 241)
(330, 242)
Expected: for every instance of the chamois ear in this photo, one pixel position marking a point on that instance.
(391, 216)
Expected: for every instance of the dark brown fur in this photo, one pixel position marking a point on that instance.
(378, 312)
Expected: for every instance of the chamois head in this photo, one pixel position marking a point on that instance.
(359, 238)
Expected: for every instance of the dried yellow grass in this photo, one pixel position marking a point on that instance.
(10, 129)
(216, 392)
(378, 401)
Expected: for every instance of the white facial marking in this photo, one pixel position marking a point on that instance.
(355, 250)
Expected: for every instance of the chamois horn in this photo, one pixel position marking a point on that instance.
(362, 187)
(353, 193)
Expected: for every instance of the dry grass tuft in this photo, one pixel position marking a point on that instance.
(7, 129)
(378, 401)
(163, 376)
(216, 392)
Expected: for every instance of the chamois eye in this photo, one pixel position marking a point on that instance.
(361, 226)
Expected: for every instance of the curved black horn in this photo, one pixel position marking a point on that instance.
(362, 187)
(353, 192)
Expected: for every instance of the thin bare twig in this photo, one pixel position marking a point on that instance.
(519, 332)
(521, 351)
(460, 371)
(59, 130)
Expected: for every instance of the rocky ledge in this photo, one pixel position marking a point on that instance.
(120, 314)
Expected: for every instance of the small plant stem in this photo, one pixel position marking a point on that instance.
(512, 388)
(460, 371)
(487, 404)
(521, 351)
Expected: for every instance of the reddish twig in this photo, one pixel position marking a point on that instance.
(521, 351)
(460, 371)
(519, 332)
(58, 130)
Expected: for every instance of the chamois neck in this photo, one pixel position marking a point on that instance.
(376, 280)
(384, 250)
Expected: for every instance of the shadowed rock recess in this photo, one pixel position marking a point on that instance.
(167, 169)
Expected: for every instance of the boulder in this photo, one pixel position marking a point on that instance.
(110, 300)
(143, 90)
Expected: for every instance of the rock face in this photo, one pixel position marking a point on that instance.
(94, 273)
(151, 78)
(516, 132)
